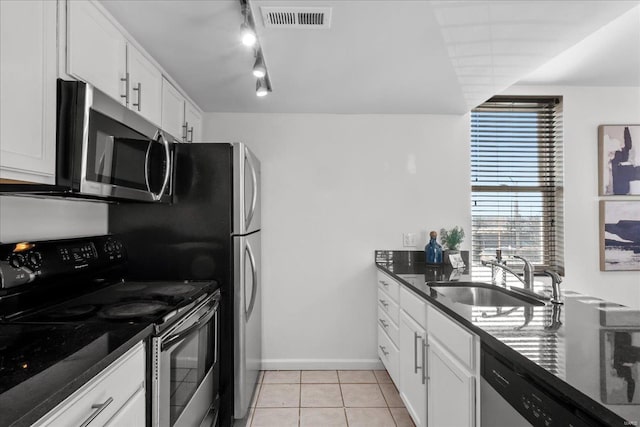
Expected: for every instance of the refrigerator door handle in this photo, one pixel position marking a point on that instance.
(254, 283)
(254, 188)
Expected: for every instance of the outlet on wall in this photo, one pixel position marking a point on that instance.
(408, 239)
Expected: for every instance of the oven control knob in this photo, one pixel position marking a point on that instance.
(118, 245)
(35, 259)
(16, 260)
(108, 247)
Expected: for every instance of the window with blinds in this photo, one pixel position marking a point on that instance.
(516, 182)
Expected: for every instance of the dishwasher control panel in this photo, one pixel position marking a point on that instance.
(533, 403)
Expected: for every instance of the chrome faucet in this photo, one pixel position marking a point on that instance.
(555, 286)
(527, 276)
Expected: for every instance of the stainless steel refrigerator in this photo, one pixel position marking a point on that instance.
(211, 230)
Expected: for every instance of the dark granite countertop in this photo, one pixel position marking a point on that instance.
(42, 364)
(585, 351)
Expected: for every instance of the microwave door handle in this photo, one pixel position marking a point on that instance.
(174, 339)
(254, 189)
(146, 167)
(167, 153)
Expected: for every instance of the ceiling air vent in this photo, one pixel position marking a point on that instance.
(296, 17)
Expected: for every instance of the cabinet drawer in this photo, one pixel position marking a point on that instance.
(414, 306)
(386, 304)
(389, 354)
(111, 388)
(388, 325)
(389, 285)
(452, 336)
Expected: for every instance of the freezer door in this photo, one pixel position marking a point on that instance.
(246, 190)
(247, 321)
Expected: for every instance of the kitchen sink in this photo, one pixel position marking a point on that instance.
(483, 294)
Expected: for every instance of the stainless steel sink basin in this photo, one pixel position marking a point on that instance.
(483, 294)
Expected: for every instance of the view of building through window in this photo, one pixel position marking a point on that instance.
(516, 179)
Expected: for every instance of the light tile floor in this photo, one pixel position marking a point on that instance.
(327, 399)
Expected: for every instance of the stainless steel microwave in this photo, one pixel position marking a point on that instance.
(105, 150)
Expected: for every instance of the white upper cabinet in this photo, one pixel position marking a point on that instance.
(173, 111)
(98, 53)
(28, 60)
(145, 86)
(193, 122)
(96, 49)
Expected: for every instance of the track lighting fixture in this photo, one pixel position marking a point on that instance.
(261, 88)
(259, 69)
(248, 35)
(250, 38)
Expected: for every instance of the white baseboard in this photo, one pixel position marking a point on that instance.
(320, 364)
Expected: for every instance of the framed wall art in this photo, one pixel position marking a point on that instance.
(619, 235)
(619, 160)
(620, 366)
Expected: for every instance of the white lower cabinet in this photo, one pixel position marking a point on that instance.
(413, 381)
(114, 397)
(132, 413)
(451, 391)
(432, 359)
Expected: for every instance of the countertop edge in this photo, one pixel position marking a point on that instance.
(554, 385)
(68, 389)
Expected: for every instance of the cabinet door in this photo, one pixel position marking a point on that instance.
(451, 389)
(96, 50)
(193, 120)
(132, 413)
(173, 111)
(413, 387)
(28, 54)
(145, 90)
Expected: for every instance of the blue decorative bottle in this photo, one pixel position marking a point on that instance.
(433, 250)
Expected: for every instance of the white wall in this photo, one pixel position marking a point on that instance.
(335, 188)
(584, 109)
(25, 218)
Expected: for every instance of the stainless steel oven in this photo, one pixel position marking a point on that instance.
(185, 368)
(106, 150)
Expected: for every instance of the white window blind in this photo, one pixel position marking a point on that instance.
(516, 180)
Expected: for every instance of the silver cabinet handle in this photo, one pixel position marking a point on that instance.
(382, 348)
(190, 131)
(185, 126)
(139, 90)
(425, 348)
(385, 284)
(126, 89)
(383, 323)
(415, 352)
(98, 408)
(384, 303)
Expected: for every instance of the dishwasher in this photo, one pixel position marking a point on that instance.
(510, 399)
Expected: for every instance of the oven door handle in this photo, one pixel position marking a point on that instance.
(174, 339)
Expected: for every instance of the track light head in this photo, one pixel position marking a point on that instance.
(261, 88)
(259, 69)
(248, 35)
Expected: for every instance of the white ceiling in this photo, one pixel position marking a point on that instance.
(391, 56)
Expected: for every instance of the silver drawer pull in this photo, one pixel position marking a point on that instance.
(384, 303)
(382, 348)
(383, 323)
(385, 284)
(98, 408)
